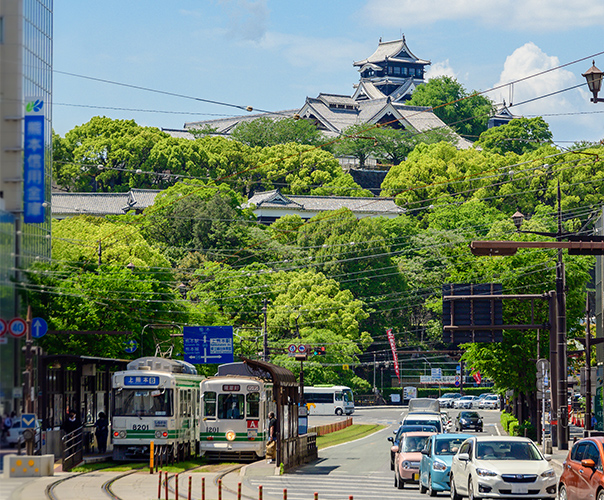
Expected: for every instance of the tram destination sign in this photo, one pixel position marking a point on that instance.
(208, 344)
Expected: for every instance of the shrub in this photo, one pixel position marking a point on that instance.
(506, 420)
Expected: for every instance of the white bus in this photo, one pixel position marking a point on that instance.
(329, 400)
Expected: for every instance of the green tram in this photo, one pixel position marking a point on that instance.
(235, 412)
(156, 399)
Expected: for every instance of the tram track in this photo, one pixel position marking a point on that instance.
(51, 493)
(107, 486)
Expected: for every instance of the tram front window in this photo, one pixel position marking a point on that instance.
(230, 406)
(142, 402)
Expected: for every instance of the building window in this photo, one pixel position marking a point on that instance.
(389, 70)
(397, 70)
(405, 71)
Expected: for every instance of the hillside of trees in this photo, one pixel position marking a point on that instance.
(198, 258)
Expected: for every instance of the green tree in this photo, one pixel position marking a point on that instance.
(131, 287)
(193, 216)
(357, 141)
(519, 136)
(302, 169)
(270, 131)
(104, 155)
(466, 112)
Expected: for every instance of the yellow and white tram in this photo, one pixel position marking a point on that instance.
(155, 399)
(234, 418)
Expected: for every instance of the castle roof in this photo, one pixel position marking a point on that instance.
(396, 50)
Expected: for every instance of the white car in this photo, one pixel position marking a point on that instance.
(501, 466)
(14, 436)
(491, 402)
(466, 402)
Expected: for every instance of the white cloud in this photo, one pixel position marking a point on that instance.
(442, 68)
(323, 54)
(248, 19)
(526, 61)
(541, 15)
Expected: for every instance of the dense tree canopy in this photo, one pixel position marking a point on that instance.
(519, 136)
(466, 112)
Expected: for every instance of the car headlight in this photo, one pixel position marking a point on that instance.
(230, 435)
(486, 473)
(439, 466)
(548, 473)
(406, 465)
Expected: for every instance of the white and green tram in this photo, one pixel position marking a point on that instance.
(234, 420)
(156, 399)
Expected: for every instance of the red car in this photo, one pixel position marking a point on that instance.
(582, 476)
(408, 455)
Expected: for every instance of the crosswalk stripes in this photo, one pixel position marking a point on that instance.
(333, 486)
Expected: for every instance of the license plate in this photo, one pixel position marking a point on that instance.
(519, 489)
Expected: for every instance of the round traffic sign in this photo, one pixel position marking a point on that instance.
(39, 327)
(130, 346)
(3, 327)
(302, 348)
(292, 348)
(17, 327)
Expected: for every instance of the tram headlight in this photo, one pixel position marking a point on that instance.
(116, 434)
(230, 435)
(122, 434)
(158, 434)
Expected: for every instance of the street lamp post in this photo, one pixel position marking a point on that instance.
(594, 81)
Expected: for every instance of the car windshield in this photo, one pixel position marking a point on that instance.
(448, 446)
(469, 414)
(434, 423)
(414, 443)
(506, 450)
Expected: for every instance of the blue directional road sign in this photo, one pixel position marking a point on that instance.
(39, 327)
(130, 346)
(208, 344)
(28, 421)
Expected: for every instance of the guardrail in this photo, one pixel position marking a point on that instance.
(73, 450)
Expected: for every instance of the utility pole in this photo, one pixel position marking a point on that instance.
(264, 332)
(587, 366)
(562, 370)
(374, 386)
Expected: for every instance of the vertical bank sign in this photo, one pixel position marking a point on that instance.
(33, 161)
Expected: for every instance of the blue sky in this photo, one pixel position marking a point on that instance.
(272, 54)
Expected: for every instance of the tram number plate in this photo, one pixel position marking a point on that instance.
(212, 429)
(140, 427)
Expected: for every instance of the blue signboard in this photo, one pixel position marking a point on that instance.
(39, 327)
(208, 344)
(28, 421)
(130, 346)
(141, 380)
(33, 162)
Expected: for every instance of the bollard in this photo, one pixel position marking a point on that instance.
(260, 492)
(189, 496)
(316, 496)
(176, 495)
(220, 489)
(151, 449)
(203, 488)
(284, 493)
(159, 486)
(350, 498)
(238, 491)
(166, 485)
